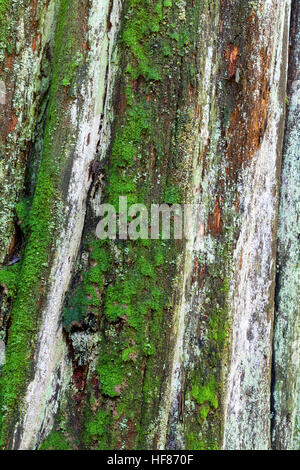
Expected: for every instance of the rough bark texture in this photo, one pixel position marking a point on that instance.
(149, 344)
(285, 393)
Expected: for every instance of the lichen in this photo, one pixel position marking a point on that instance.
(42, 223)
(134, 301)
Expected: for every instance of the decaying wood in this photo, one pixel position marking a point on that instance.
(154, 344)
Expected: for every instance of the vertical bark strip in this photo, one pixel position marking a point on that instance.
(86, 114)
(26, 30)
(248, 388)
(287, 315)
(198, 141)
(57, 217)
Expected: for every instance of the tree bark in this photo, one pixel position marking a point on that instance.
(149, 344)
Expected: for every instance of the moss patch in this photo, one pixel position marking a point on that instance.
(55, 441)
(41, 223)
(9, 277)
(206, 393)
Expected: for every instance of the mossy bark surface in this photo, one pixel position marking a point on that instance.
(148, 344)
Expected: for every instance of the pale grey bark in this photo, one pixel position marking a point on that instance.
(286, 378)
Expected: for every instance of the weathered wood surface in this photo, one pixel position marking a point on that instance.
(156, 343)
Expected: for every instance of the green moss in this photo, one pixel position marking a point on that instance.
(148, 349)
(70, 73)
(206, 393)
(146, 267)
(40, 224)
(5, 43)
(143, 18)
(111, 375)
(194, 443)
(218, 326)
(55, 441)
(134, 306)
(96, 430)
(204, 410)
(132, 299)
(133, 309)
(129, 137)
(129, 354)
(18, 354)
(167, 50)
(22, 211)
(205, 423)
(173, 195)
(158, 259)
(9, 277)
(125, 152)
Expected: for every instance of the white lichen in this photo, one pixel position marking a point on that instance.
(247, 408)
(51, 355)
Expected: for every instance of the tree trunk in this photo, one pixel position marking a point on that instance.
(148, 343)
